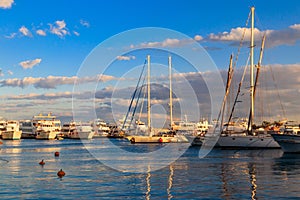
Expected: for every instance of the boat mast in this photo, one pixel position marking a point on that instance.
(259, 64)
(171, 96)
(251, 72)
(148, 101)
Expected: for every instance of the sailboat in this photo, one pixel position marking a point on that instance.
(243, 135)
(151, 136)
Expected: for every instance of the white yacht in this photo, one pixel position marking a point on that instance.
(3, 124)
(45, 126)
(12, 131)
(101, 128)
(78, 130)
(27, 130)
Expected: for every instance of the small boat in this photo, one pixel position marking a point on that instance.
(289, 140)
(12, 131)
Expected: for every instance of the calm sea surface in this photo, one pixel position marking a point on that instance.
(222, 174)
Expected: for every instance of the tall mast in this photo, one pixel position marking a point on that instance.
(148, 101)
(171, 96)
(252, 71)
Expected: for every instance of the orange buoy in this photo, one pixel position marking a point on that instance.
(61, 173)
(160, 140)
(42, 162)
(56, 154)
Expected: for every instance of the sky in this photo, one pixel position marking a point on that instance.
(46, 45)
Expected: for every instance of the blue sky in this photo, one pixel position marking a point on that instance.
(43, 43)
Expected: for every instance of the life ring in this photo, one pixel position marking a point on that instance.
(132, 140)
(160, 140)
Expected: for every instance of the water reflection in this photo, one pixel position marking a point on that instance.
(252, 173)
(148, 183)
(223, 174)
(170, 182)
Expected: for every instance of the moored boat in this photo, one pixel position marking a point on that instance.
(101, 128)
(244, 134)
(143, 133)
(78, 130)
(289, 140)
(12, 131)
(27, 129)
(45, 127)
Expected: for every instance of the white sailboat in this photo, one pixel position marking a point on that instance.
(243, 135)
(151, 136)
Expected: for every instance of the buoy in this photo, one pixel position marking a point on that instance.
(56, 154)
(61, 173)
(42, 162)
(160, 140)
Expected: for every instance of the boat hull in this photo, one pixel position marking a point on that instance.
(247, 142)
(156, 139)
(81, 135)
(288, 143)
(45, 135)
(11, 135)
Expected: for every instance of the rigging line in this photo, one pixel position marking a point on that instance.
(239, 90)
(134, 93)
(241, 41)
(142, 105)
(239, 51)
(276, 86)
(137, 101)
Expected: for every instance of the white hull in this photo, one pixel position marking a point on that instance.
(49, 135)
(288, 143)
(156, 139)
(81, 135)
(11, 135)
(247, 141)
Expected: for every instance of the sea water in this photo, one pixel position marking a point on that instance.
(222, 174)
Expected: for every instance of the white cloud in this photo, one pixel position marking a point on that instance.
(84, 23)
(286, 36)
(235, 34)
(25, 31)
(10, 72)
(52, 82)
(59, 28)
(169, 42)
(29, 64)
(198, 37)
(125, 57)
(11, 36)
(295, 26)
(41, 32)
(5, 4)
(76, 33)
